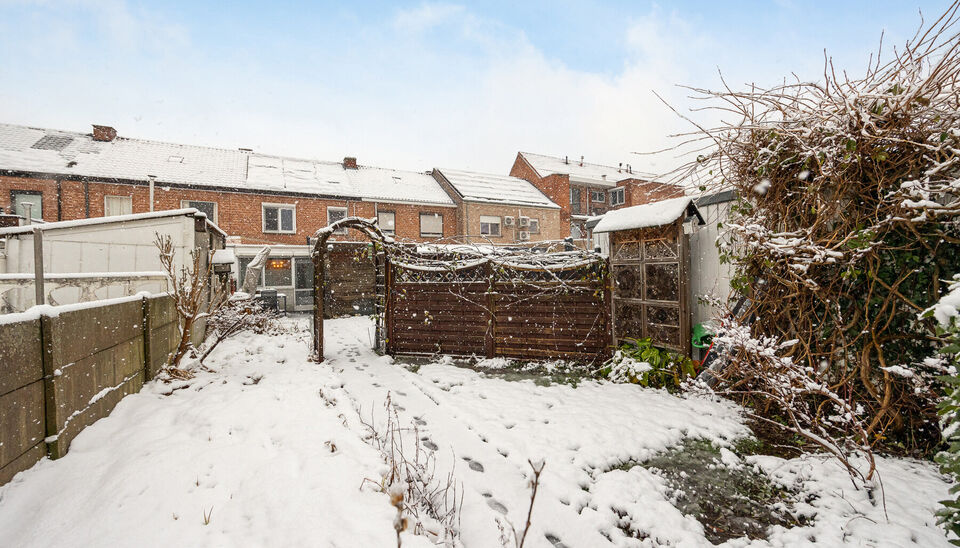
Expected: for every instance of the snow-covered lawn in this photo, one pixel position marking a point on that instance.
(270, 448)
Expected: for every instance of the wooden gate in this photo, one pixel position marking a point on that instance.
(649, 270)
(488, 308)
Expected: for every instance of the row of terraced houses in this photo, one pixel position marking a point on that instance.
(267, 199)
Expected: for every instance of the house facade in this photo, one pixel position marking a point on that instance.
(258, 198)
(584, 190)
(500, 209)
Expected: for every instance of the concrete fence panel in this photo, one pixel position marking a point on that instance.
(22, 423)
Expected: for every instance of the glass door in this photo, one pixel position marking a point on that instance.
(303, 283)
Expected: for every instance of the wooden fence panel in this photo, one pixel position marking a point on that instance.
(499, 316)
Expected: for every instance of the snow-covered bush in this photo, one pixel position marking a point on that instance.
(947, 314)
(639, 362)
(847, 218)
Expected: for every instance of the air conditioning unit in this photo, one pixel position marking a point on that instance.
(524, 235)
(508, 221)
(524, 222)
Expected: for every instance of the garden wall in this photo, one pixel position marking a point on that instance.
(64, 369)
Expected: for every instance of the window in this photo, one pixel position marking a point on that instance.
(489, 225)
(117, 205)
(534, 227)
(335, 214)
(431, 225)
(616, 196)
(277, 273)
(598, 196)
(19, 199)
(575, 201)
(388, 222)
(575, 232)
(208, 208)
(279, 218)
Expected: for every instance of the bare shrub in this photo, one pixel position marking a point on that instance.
(508, 533)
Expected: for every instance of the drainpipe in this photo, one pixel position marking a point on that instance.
(59, 201)
(153, 179)
(86, 199)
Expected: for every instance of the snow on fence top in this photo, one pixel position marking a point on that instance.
(644, 216)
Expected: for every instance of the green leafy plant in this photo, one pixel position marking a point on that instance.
(639, 362)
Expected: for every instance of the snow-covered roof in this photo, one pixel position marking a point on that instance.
(78, 154)
(499, 189)
(594, 174)
(643, 216)
(108, 220)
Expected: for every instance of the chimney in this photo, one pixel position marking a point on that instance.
(581, 161)
(566, 159)
(104, 133)
(629, 168)
(620, 167)
(349, 162)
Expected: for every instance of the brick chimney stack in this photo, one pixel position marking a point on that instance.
(104, 133)
(349, 162)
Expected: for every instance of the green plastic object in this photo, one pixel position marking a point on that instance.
(702, 336)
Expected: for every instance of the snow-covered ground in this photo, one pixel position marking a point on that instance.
(268, 449)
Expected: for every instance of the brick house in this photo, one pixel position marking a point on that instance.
(501, 209)
(584, 190)
(260, 198)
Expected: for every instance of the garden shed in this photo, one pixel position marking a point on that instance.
(650, 267)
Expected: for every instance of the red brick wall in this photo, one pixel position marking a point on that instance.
(238, 214)
(638, 192)
(556, 187)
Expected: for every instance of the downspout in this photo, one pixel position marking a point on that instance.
(59, 201)
(86, 199)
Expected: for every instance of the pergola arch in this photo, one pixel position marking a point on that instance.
(370, 229)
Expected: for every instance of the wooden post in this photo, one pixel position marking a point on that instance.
(318, 277)
(38, 265)
(490, 342)
(388, 306)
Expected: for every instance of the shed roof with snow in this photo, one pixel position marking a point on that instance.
(658, 213)
(495, 189)
(65, 153)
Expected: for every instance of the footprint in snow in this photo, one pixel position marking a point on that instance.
(496, 506)
(555, 541)
(509, 425)
(503, 452)
(399, 393)
(419, 422)
(474, 465)
(428, 443)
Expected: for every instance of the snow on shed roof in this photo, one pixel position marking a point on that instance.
(111, 219)
(643, 216)
(499, 189)
(77, 154)
(595, 174)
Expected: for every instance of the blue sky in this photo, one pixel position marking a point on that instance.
(416, 85)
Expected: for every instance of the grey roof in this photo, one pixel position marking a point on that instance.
(67, 153)
(498, 189)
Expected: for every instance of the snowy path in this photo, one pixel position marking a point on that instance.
(273, 445)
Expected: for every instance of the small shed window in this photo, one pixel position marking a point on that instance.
(278, 273)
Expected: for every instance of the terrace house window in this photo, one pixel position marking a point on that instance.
(598, 196)
(280, 218)
(18, 199)
(489, 225)
(616, 196)
(431, 225)
(575, 201)
(335, 214)
(387, 220)
(534, 227)
(208, 208)
(117, 205)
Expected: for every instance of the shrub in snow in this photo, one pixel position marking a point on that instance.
(847, 217)
(948, 324)
(639, 362)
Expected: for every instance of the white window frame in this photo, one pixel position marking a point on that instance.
(614, 193)
(534, 221)
(487, 220)
(385, 230)
(598, 196)
(346, 213)
(216, 208)
(293, 275)
(431, 234)
(263, 218)
(107, 197)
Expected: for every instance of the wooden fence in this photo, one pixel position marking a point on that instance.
(493, 309)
